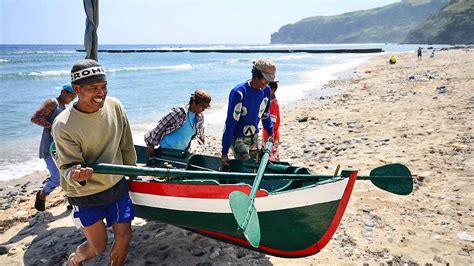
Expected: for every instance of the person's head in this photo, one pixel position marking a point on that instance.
(67, 93)
(199, 101)
(89, 81)
(273, 87)
(263, 72)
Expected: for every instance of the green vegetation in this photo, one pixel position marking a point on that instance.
(453, 24)
(390, 23)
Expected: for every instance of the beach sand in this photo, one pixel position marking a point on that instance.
(380, 117)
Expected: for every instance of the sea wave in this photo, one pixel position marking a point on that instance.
(181, 67)
(292, 57)
(43, 52)
(48, 73)
(51, 73)
(313, 80)
(19, 169)
(235, 61)
(35, 74)
(4, 60)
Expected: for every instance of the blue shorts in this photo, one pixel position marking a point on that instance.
(121, 211)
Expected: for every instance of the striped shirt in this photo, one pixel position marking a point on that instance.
(172, 121)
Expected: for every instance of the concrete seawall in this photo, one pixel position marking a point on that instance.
(247, 51)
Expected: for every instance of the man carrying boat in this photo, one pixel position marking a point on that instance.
(179, 127)
(248, 103)
(95, 130)
(44, 117)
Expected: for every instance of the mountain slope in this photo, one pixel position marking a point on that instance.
(452, 24)
(390, 23)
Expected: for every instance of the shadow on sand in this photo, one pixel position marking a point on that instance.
(152, 243)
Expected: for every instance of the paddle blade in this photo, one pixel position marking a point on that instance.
(395, 178)
(246, 216)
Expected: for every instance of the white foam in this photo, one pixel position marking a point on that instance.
(15, 169)
(44, 52)
(151, 68)
(314, 80)
(47, 73)
(292, 57)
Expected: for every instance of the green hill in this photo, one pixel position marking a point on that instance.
(453, 24)
(389, 23)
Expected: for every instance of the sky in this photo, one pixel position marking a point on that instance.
(163, 21)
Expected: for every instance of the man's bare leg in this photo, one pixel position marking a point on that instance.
(122, 237)
(96, 243)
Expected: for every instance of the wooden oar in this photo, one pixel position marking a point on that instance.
(242, 205)
(394, 178)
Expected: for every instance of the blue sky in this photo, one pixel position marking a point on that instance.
(163, 21)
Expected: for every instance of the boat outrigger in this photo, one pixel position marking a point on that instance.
(293, 212)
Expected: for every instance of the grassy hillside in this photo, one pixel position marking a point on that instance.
(384, 24)
(453, 24)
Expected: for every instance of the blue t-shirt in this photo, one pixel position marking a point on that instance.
(180, 138)
(246, 107)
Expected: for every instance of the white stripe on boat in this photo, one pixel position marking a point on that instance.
(280, 201)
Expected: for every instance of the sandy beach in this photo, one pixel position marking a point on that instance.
(386, 113)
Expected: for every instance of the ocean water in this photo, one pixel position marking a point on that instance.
(148, 85)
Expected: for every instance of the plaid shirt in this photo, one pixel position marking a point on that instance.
(172, 121)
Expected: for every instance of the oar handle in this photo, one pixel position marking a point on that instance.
(261, 170)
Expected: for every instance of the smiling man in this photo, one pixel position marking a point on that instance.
(248, 103)
(95, 130)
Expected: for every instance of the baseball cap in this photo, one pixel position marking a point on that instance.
(202, 97)
(67, 87)
(267, 67)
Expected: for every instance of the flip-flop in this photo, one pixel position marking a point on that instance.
(40, 204)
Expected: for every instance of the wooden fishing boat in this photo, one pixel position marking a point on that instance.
(298, 212)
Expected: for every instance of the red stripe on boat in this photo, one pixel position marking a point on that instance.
(191, 190)
(311, 250)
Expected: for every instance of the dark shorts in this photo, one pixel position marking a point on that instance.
(120, 211)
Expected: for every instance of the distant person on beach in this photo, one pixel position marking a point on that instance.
(44, 117)
(275, 117)
(179, 127)
(419, 52)
(432, 54)
(248, 103)
(95, 130)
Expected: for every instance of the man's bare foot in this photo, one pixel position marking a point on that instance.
(74, 260)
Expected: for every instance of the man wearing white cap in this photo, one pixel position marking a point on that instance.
(95, 130)
(248, 103)
(44, 117)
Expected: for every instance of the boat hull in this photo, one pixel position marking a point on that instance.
(294, 223)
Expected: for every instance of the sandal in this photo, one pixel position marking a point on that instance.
(40, 204)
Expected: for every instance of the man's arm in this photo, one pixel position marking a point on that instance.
(275, 114)
(126, 142)
(266, 120)
(234, 111)
(153, 137)
(201, 136)
(40, 117)
(69, 158)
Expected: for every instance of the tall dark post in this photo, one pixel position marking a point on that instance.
(91, 7)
